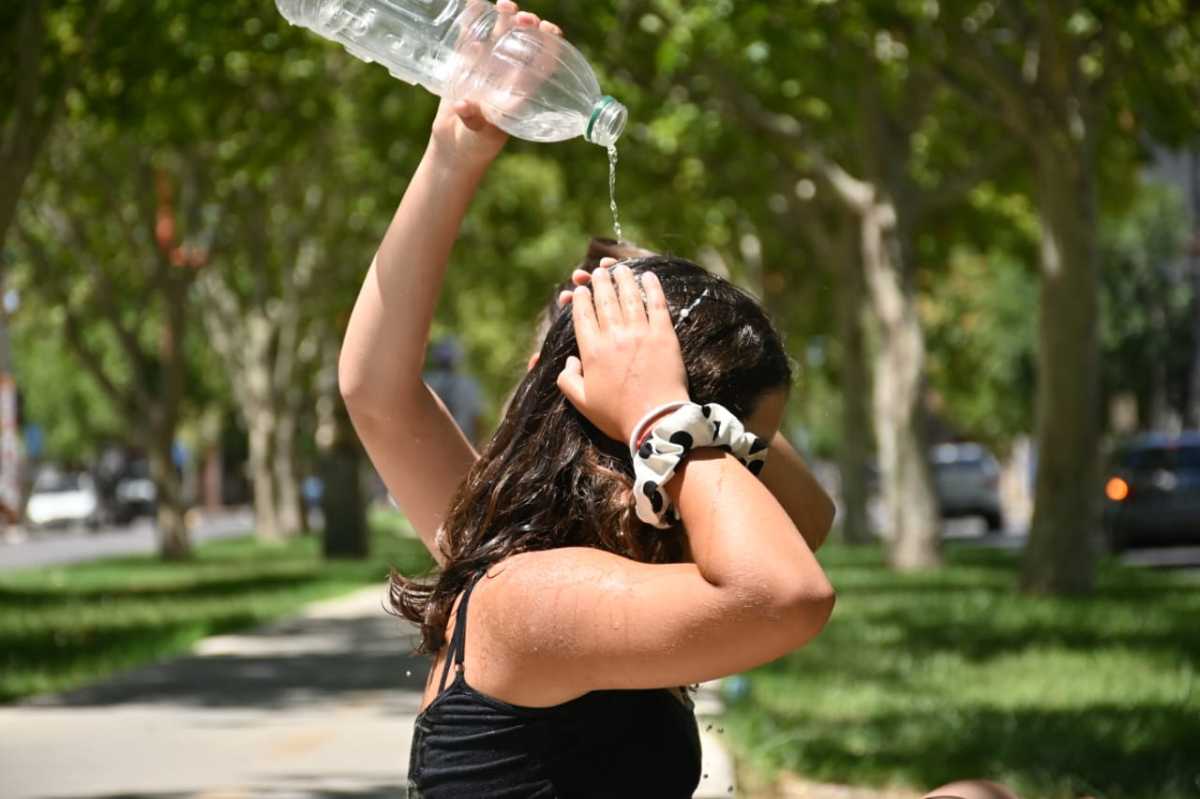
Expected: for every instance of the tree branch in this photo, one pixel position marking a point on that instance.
(930, 202)
(107, 301)
(128, 402)
(855, 193)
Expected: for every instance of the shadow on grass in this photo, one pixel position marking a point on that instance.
(199, 588)
(1107, 750)
(920, 679)
(64, 626)
(978, 614)
(1172, 633)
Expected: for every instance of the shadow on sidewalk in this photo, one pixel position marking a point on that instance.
(298, 662)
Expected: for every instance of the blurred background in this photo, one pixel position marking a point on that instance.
(977, 224)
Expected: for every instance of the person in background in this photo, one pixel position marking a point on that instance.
(458, 391)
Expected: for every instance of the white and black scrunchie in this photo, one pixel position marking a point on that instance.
(671, 438)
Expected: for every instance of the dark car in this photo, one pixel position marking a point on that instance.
(134, 494)
(1152, 492)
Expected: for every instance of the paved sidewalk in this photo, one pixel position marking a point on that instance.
(319, 705)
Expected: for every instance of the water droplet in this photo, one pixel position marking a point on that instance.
(720, 729)
(709, 727)
(408, 672)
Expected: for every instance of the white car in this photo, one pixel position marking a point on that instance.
(61, 498)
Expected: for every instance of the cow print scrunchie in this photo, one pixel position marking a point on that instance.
(674, 436)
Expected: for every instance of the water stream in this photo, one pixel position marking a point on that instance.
(612, 189)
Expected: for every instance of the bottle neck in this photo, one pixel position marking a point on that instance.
(606, 122)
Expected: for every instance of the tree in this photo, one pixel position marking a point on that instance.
(103, 247)
(1064, 78)
(832, 234)
(861, 118)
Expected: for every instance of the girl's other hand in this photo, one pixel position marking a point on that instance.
(629, 358)
(581, 277)
(461, 134)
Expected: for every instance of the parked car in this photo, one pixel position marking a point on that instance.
(967, 481)
(1152, 492)
(63, 498)
(134, 494)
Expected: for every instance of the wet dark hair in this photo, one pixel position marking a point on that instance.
(549, 478)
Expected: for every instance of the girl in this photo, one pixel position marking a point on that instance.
(612, 574)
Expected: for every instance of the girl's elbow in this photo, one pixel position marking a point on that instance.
(351, 377)
(818, 519)
(812, 611)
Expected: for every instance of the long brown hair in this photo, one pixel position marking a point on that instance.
(549, 478)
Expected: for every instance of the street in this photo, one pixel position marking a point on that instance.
(22, 549)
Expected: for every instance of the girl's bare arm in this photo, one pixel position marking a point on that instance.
(574, 619)
(788, 478)
(413, 441)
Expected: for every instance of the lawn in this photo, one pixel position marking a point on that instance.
(921, 679)
(63, 626)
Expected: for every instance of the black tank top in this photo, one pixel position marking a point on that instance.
(625, 743)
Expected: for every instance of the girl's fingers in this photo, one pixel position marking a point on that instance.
(550, 27)
(470, 114)
(583, 317)
(632, 308)
(656, 302)
(606, 261)
(570, 381)
(580, 277)
(526, 19)
(608, 309)
(508, 12)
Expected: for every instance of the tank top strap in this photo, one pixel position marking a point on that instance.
(458, 641)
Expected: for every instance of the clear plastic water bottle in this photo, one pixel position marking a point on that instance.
(532, 84)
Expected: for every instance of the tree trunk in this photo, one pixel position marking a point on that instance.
(343, 502)
(173, 540)
(856, 407)
(260, 339)
(213, 478)
(1060, 556)
(913, 518)
(287, 483)
(261, 438)
(1193, 408)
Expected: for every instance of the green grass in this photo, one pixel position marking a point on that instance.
(921, 679)
(64, 626)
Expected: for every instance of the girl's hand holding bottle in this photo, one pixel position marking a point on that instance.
(629, 359)
(461, 134)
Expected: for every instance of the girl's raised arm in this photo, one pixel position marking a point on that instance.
(411, 438)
